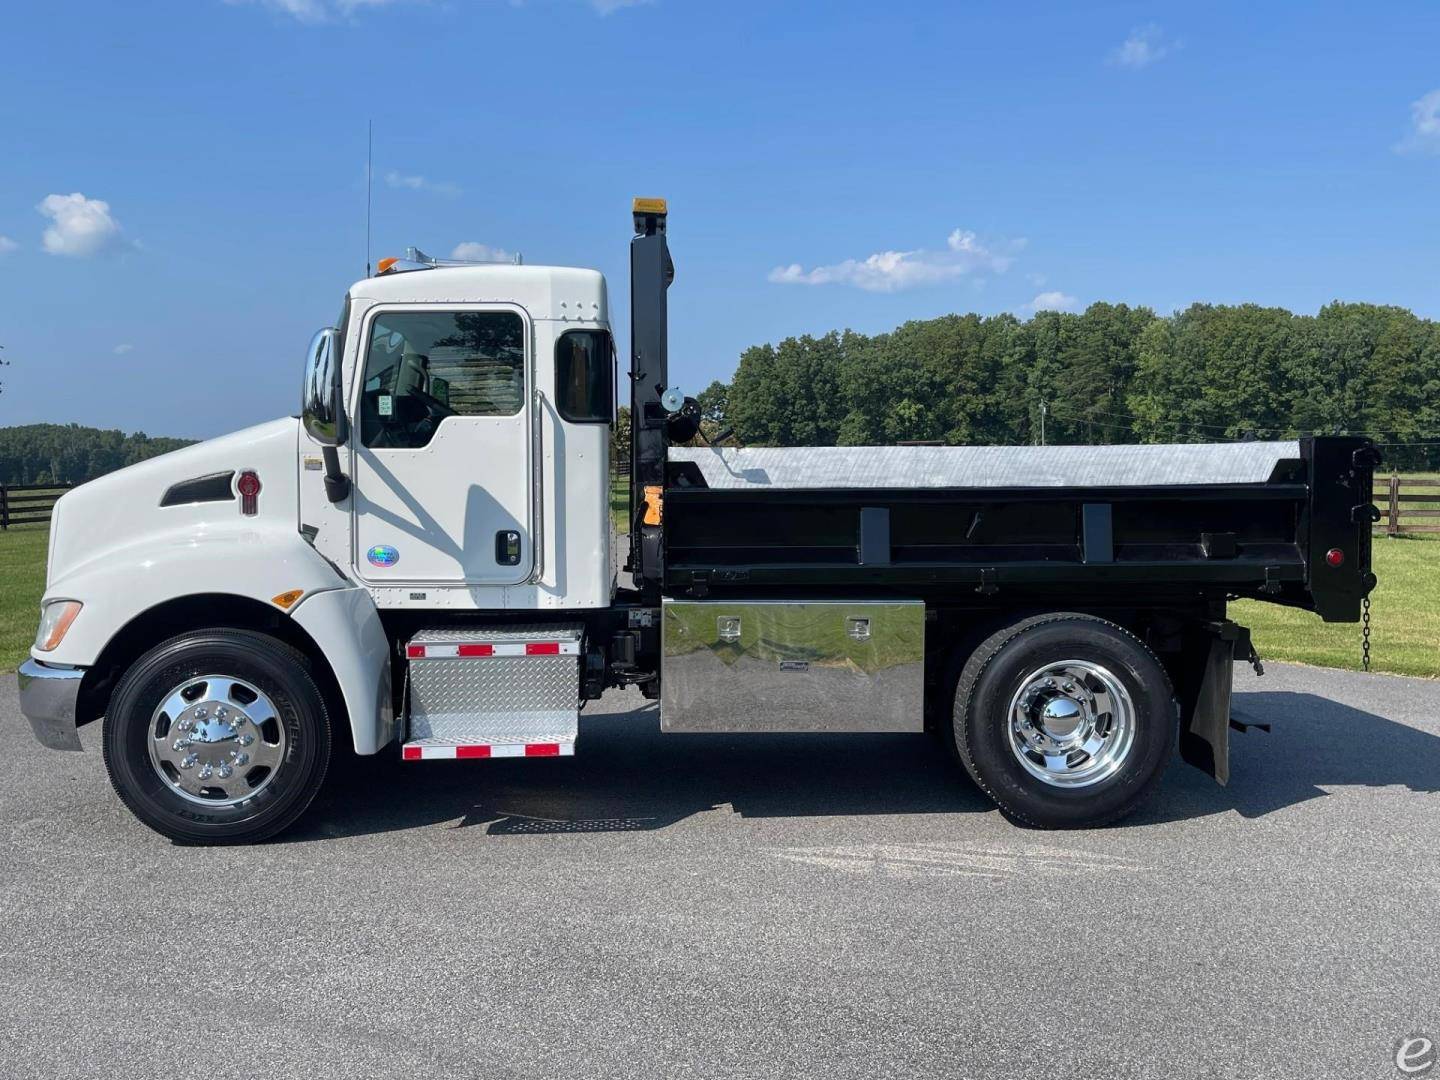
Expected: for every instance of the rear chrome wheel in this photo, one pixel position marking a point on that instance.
(1072, 723)
(1065, 720)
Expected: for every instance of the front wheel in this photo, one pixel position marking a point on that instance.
(1065, 720)
(217, 737)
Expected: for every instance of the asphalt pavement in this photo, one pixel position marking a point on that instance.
(760, 906)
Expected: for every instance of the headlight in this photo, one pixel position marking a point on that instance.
(55, 620)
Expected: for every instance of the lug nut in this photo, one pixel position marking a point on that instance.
(186, 724)
(240, 720)
(180, 744)
(225, 772)
(242, 759)
(189, 760)
(246, 740)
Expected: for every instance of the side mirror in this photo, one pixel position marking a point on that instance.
(322, 406)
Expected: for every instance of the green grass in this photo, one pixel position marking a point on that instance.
(620, 503)
(1406, 606)
(22, 580)
(1404, 609)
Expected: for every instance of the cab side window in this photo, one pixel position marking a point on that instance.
(422, 367)
(585, 377)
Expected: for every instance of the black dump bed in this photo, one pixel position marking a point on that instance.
(1011, 523)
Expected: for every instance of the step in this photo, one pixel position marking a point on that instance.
(493, 691)
(435, 749)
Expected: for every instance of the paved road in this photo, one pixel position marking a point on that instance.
(712, 906)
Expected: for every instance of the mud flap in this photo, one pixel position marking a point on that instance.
(1205, 737)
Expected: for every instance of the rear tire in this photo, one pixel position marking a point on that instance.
(217, 736)
(1065, 720)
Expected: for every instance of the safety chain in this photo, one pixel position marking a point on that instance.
(1365, 633)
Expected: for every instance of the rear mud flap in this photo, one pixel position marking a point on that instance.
(1205, 739)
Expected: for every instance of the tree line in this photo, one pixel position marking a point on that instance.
(72, 454)
(1110, 374)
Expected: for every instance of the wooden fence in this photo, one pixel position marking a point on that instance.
(28, 504)
(1397, 497)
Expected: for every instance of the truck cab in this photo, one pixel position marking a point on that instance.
(422, 562)
(476, 402)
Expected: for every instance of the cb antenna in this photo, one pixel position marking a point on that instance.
(369, 160)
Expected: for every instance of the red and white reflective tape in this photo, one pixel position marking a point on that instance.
(451, 649)
(430, 752)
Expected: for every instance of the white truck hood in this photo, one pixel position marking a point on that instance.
(119, 508)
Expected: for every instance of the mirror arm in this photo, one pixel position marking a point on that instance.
(337, 484)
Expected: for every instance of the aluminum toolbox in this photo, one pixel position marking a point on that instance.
(823, 665)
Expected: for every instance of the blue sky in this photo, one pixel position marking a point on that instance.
(182, 199)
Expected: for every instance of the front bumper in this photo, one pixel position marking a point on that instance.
(47, 698)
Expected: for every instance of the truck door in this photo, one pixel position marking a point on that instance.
(442, 468)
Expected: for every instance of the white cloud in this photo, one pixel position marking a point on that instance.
(894, 271)
(79, 226)
(7, 245)
(304, 10)
(121, 350)
(1145, 45)
(317, 11)
(470, 251)
(322, 11)
(1424, 136)
(403, 181)
(1055, 300)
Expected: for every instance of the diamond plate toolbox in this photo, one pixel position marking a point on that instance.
(512, 684)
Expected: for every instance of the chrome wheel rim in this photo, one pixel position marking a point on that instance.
(216, 740)
(1072, 723)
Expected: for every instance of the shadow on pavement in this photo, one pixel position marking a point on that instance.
(627, 776)
(1315, 744)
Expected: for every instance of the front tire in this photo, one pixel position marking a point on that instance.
(217, 736)
(1065, 720)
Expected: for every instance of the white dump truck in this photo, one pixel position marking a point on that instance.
(421, 564)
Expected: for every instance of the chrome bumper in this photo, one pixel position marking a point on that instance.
(47, 698)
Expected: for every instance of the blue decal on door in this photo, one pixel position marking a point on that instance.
(383, 555)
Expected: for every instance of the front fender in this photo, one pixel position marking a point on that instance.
(345, 624)
(258, 561)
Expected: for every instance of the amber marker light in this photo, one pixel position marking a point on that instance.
(55, 620)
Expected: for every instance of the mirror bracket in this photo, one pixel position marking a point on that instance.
(337, 484)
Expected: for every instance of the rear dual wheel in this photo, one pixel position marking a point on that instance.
(217, 737)
(1064, 720)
